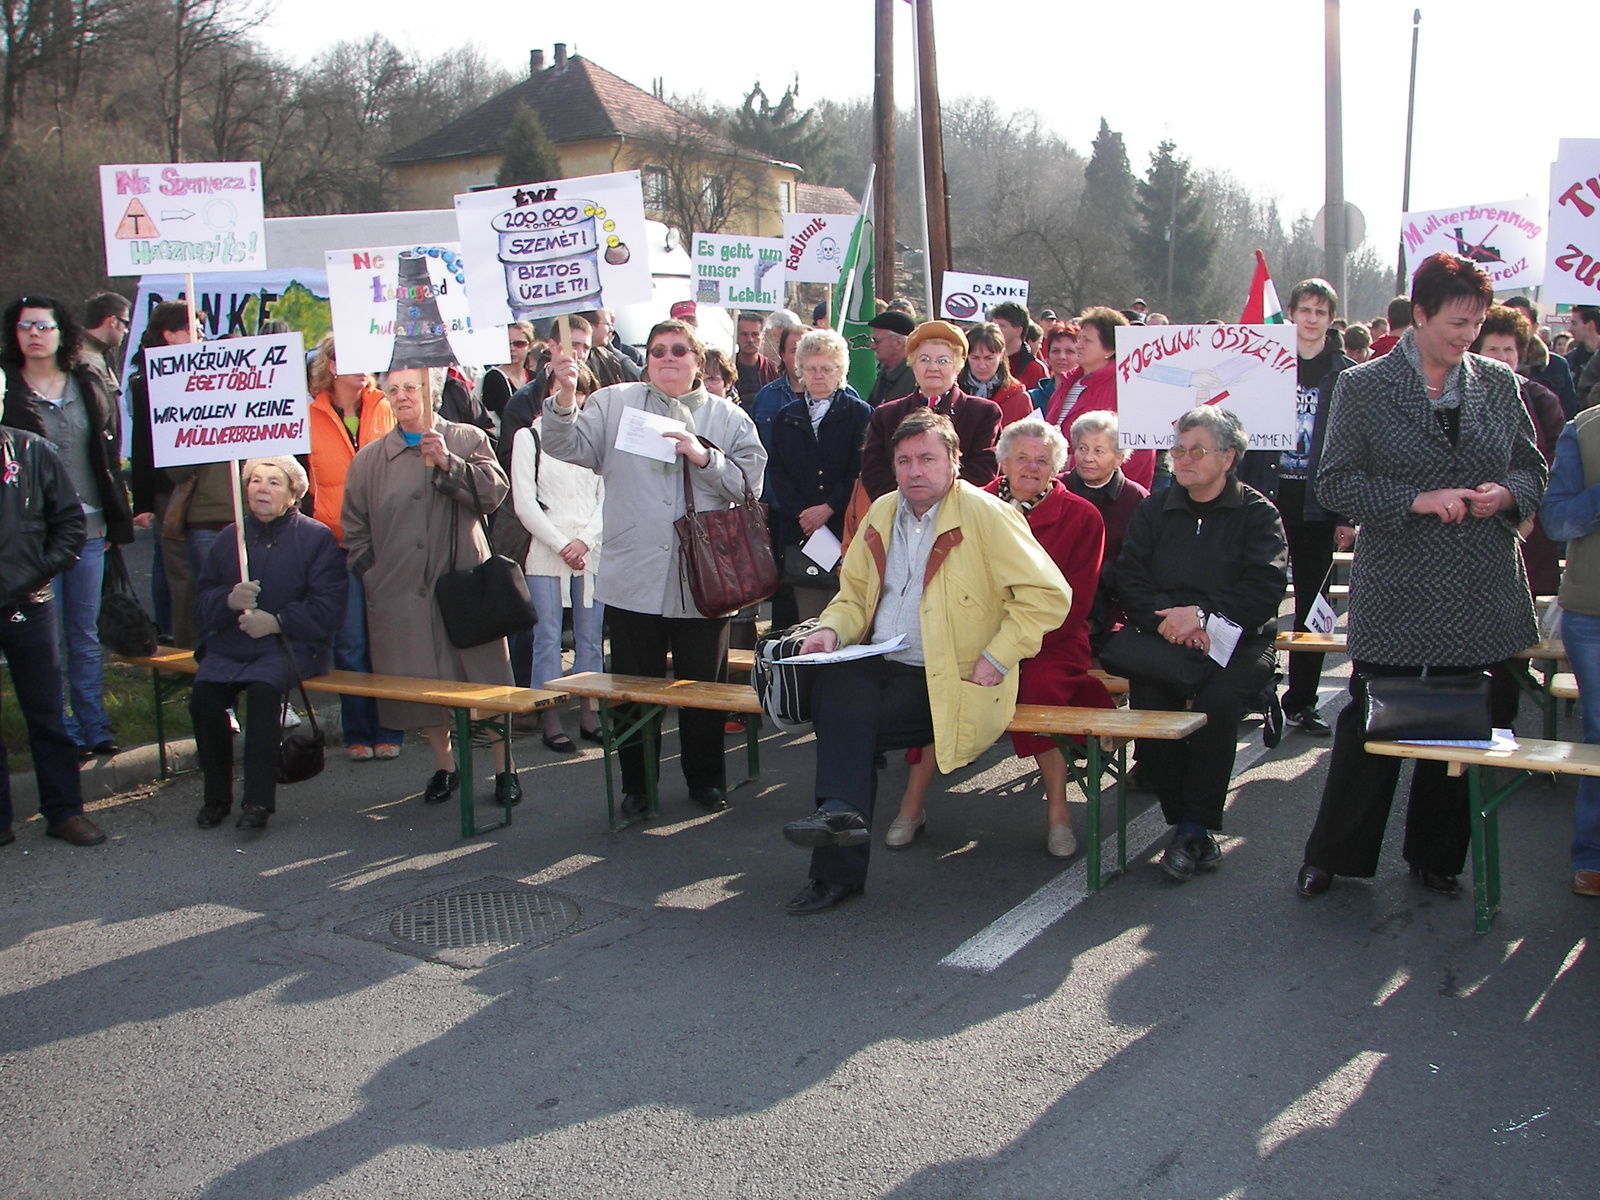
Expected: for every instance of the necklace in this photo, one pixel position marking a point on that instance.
(53, 390)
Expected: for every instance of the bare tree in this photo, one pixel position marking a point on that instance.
(696, 181)
(178, 35)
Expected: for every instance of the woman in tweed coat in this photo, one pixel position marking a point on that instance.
(1430, 450)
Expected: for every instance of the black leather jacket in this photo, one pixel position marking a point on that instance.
(41, 519)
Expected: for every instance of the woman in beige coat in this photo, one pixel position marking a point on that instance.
(402, 494)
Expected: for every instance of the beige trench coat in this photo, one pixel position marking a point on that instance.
(397, 516)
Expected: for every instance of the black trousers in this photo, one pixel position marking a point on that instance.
(28, 639)
(640, 643)
(1348, 835)
(1191, 776)
(213, 741)
(861, 709)
(1310, 554)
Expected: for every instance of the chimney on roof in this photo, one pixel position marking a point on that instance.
(561, 55)
(535, 61)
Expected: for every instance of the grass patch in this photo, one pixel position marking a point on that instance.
(129, 701)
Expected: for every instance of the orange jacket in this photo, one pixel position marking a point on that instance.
(331, 451)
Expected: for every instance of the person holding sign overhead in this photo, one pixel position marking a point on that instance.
(1093, 385)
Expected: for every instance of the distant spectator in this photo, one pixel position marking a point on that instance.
(901, 305)
(1562, 344)
(499, 383)
(1061, 357)
(1139, 306)
(720, 375)
(1399, 320)
(1093, 385)
(685, 311)
(1097, 476)
(105, 325)
(890, 329)
(609, 360)
(1158, 319)
(1379, 326)
(1013, 320)
(1358, 342)
(776, 321)
(755, 370)
(988, 374)
(1033, 339)
(819, 315)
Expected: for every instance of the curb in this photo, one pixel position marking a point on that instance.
(102, 777)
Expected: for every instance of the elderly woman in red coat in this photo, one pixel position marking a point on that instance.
(1031, 453)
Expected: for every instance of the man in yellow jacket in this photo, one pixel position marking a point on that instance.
(959, 575)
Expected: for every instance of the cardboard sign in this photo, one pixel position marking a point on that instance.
(1165, 370)
(161, 218)
(406, 306)
(968, 297)
(814, 245)
(738, 271)
(559, 247)
(1505, 239)
(1573, 276)
(234, 399)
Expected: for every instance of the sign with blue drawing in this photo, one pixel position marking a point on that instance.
(738, 271)
(1165, 370)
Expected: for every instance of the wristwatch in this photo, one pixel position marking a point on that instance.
(1202, 614)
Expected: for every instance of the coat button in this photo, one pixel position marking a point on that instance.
(419, 546)
(416, 495)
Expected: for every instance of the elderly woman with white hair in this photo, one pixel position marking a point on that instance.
(1097, 476)
(1203, 562)
(295, 585)
(1032, 453)
(816, 453)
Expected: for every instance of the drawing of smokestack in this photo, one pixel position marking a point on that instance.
(419, 339)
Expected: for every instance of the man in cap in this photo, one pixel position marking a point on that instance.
(889, 332)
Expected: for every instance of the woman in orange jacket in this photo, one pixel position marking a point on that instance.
(348, 411)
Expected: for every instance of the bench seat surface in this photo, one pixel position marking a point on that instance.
(1531, 754)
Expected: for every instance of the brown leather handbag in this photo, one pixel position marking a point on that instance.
(725, 556)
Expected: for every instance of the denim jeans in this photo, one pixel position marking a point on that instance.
(1581, 635)
(546, 593)
(351, 652)
(28, 638)
(78, 615)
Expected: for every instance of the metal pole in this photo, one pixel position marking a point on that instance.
(883, 149)
(1172, 228)
(938, 215)
(1336, 243)
(1400, 280)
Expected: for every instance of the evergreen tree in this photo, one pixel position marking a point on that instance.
(530, 156)
(783, 131)
(1171, 229)
(1101, 227)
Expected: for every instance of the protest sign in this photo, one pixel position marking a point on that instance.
(968, 297)
(557, 247)
(234, 399)
(1505, 239)
(738, 271)
(162, 217)
(406, 306)
(1165, 370)
(814, 246)
(1573, 276)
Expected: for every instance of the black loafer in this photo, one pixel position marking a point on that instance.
(1207, 854)
(1309, 720)
(1178, 861)
(591, 735)
(1272, 720)
(440, 787)
(213, 815)
(1313, 881)
(824, 828)
(252, 817)
(635, 805)
(1445, 885)
(819, 896)
(507, 789)
(711, 799)
(106, 748)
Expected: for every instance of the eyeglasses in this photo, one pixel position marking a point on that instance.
(677, 350)
(409, 389)
(519, 345)
(942, 361)
(41, 326)
(1179, 453)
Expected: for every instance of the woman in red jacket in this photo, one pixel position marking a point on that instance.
(1093, 385)
(987, 374)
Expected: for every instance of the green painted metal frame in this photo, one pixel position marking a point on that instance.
(484, 732)
(1484, 802)
(617, 728)
(164, 691)
(1087, 766)
(1548, 704)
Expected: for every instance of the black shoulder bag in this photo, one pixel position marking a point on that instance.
(483, 603)
(125, 628)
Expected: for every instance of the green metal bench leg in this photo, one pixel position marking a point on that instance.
(494, 728)
(612, 734)
(1482, 911)
(1091, 792)
(469, 827)
(752, 751)
(161, 725)
(1122, 807)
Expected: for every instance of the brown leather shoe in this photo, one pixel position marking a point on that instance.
(77, 831)
(1586, 883)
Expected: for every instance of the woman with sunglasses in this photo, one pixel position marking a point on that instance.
(500, 383)
(649, 607)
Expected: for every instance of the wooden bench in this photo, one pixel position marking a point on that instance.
(1531, 757)
(460, 698)
(1106, 732)
(1316, 643)
(1564, 686)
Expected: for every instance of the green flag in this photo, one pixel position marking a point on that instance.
(854, 294)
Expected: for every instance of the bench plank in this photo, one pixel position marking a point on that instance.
(1564, 686)
(1531, 754)
(1317, 643)
(673, 693)
(1104, 722)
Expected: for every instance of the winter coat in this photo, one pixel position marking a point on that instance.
(977, 425)
(1551, 370)
(332, 451)
(1099, 394)
(809, 468)
(41, 520)
(145, 479)
(301, 570)
(1541, 557)
(1424, 593)
(1116, 502)
(557, 503)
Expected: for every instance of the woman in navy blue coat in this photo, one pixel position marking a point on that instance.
(297, 585)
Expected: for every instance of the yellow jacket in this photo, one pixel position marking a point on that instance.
(989, 586)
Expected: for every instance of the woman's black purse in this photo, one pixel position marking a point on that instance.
(1134, 654)
(1438, 708)
(800, 571)
(483, 603)
(125, 628)
(301, 755)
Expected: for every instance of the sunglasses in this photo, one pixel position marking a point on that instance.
(41, 326)
(1179, 453)
(677, 350)
(520, 345)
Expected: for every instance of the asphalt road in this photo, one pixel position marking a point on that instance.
(185, 1014)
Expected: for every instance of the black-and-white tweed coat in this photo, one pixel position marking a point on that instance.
(1422, 592)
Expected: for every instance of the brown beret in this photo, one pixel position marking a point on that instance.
(936, 331)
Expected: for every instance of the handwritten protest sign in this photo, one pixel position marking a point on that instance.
(1573, 276)
(556, 247)
(1165, 370)
(814, 246)
(234, 399)
(1506, 239)
(406, 306)
(164, 217)
(968, 297)
(736, 271)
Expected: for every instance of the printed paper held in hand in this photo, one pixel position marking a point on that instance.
(1321, 618)
(644, 433)
(847, 653)
(1224, 635)
(823, 548)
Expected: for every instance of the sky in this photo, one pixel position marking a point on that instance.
(1239, 88)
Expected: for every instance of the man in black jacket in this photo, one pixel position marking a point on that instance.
(41, 533)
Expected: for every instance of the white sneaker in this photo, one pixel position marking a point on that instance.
(1061, 843)
(291, 719)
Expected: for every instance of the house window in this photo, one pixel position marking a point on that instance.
(712, 191)
(785, 196)
(654, 180)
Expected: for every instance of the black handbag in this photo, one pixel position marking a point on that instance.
(483, 603)
(125, 628)
(1134, 654)
(1438, 708)
(301, 755)
(800, 571)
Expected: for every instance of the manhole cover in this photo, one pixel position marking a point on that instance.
(455, 922)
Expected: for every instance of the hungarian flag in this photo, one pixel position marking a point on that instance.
(853, 303)
(1262, 308)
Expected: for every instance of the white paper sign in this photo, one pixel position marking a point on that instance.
(162, 218)
(823, 548)
(1224, 635)
(814, 245)
(1321, 618)
(1165, 370)
(968, 297)
(234, 399)
(736, 271)
(851, 653)
(1505, 239)
(645, 433)
(406, 306)
(557, 247)
(1573, 276)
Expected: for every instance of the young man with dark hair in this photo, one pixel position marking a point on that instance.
(1013, 320)
(1399, 321)
(1585, 342)
(105, 325)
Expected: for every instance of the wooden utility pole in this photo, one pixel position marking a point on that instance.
(883, 150)
(932, 150)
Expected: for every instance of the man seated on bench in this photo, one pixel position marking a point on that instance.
(957, 573)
